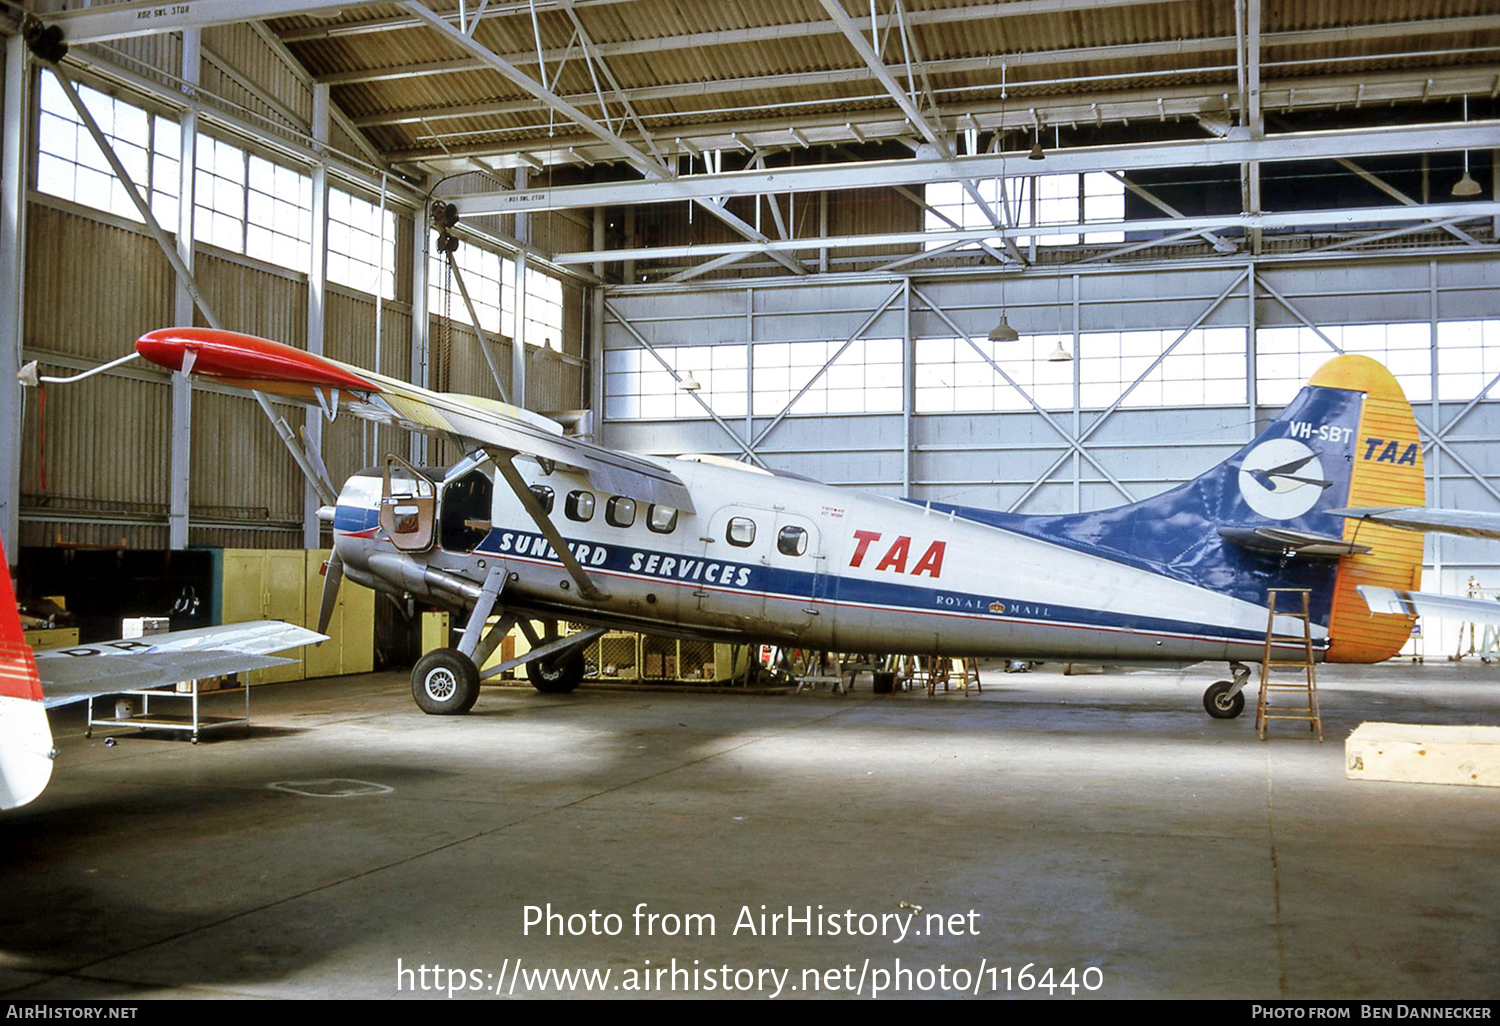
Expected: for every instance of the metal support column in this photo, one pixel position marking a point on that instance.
(312, 527)
(180, 468)
(908, 390)
(12, 280)
(421, 237)
(518, 339)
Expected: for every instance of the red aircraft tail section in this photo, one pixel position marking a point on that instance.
(25, 737)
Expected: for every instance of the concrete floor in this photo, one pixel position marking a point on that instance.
(1090, 821)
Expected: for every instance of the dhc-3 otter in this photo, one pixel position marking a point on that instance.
(532, 527)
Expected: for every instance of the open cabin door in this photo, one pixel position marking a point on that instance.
(408, 506)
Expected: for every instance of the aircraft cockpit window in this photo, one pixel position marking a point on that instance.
(544, 496)
(740, 532)
(620, 511)
(579, 506)
(791, 541)
(661, 519)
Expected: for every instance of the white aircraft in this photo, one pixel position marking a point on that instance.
(534, 526)
(31, 683)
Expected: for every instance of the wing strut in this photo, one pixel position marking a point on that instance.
(587, 587)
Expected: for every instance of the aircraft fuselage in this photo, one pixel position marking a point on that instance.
(768, 558)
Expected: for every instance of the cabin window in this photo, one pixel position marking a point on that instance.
(580, 506)
(791, 541)
(661, 519)
(620, 511)
(544, 496)
(740, 532)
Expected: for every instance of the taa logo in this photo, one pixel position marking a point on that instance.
(897, 556)
(1391, 451)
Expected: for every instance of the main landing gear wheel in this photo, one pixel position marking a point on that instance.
(1221, 705)
(445, 682)
(556, 676)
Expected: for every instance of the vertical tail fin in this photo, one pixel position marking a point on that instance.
(25, 736)
(1385, 470)
(1263, 518)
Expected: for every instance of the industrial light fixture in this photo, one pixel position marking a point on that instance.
(1059, 355)
(1036, 148)
(1003, 332)
(546, 352)
(1466, 186)
(688, 383)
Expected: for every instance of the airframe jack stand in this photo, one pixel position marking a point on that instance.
(1307, 687)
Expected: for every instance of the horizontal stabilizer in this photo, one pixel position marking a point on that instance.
(1472, 523)
(1426, 603)
(1282, 539)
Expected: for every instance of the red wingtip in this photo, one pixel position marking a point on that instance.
(18, 674)
(230, 354)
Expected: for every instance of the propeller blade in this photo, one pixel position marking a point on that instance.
(333, 576)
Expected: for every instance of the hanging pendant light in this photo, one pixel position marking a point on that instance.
(1003, 332)
(1466, 186)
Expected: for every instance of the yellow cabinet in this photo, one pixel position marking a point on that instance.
(286, 584)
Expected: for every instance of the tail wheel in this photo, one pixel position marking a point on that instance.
(556, 676)
(1222, 705)
(445, 682)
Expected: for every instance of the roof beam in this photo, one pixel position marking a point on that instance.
(1176, 228)
(1349, 143)
(800, 30)
(773, 33)
(862, 125)
(119, 21)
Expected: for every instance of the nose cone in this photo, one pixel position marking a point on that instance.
(162, 347)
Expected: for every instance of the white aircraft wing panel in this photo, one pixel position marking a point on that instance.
(84, 671)
(1426, 603)
(1471, 523)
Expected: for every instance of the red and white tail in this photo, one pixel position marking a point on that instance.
(25, 737)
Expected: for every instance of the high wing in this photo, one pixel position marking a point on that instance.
(1426, 603)
(105, 668)
(1471, 523)
(261, 365)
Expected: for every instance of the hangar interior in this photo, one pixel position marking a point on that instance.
(785, 232)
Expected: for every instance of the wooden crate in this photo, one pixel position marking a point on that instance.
(1424, 754)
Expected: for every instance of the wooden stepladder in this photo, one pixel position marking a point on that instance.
(1304, 707)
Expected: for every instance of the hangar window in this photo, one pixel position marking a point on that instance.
(864, 376)
(219, 194)
(580, 506)
(791, 541)
(661, 519)
(1287, 357)
(1029, 201)
(953, 375)
(1206, 368)
(619, 511)
(740, 532)
(637, 386)
(71, 167)
(491, 281)
(1468, 355)
(278, 215)
(544, 295)
(545, 496)
(361, 244)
